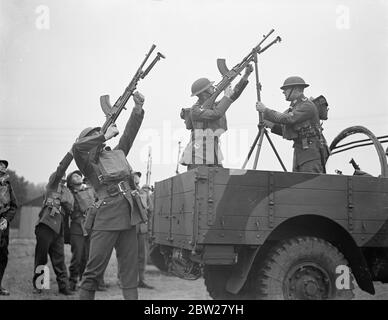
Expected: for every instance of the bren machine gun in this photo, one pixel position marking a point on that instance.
(262, 131)
(229, 75)
(113, 112)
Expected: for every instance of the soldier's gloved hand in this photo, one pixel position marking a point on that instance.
(138, 98)
(268, 124)
(260, 106)
(111, 132)
(228, 92)
(248, 71)
(3, 224)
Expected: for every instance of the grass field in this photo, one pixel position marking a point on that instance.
(19, 273)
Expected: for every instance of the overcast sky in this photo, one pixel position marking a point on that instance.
(58, 57)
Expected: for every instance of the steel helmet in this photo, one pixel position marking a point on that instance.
(68, 179)
(85, 132)
(200, 85)
(294, 82)
(5, 163)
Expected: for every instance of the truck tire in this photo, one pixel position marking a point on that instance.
(216, 278)
(302, 268)
(158, 259)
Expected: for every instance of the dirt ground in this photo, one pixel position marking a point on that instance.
(19, 272)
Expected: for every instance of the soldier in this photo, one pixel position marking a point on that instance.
(49, 229)
(8, 206)
(142, 232)
(207, 125)
(114, 217)
(84, 197)
(299, 123)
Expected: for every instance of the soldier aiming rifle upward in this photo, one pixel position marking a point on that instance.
(112, 220)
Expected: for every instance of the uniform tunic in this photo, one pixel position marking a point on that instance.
(116, 217)
(310, 153)
(208, 125)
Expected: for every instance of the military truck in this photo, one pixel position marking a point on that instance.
(256, 234)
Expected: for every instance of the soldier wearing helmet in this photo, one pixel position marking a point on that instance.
(49, 229)
(207, 125)
(8, 206)
(111, 221)
(84, 197)
(299, 123)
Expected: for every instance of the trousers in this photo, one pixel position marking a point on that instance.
(101, 247)
(80, 252)
(48, 242)
(4, 241)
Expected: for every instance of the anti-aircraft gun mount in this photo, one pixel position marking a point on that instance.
(256, 234)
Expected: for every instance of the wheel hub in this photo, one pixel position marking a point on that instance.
(307, 281)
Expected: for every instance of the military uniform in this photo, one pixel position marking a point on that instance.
(142, 234)
(79, 239)
(8, 206)
(207, 125)
(300, 123)
(116, 213)
(49, 229)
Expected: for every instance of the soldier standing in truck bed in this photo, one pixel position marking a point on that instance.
(114, 217)
(299, 123)
(49, 229)
(8, 206)
(207, 125)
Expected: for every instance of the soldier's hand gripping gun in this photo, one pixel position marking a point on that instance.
(112, 113)
(229, 75)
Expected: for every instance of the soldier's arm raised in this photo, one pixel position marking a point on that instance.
(198, 113)
(299, 114)
(56, 177)
(132, 127)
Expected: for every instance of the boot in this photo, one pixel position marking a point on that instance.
(65, 291)
(130, 294)
(86, 294)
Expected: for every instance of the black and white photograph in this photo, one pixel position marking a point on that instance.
(196, 150)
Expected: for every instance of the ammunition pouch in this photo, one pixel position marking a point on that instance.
(90, 217)
(54, 204)
(141, 204)
(306, 134)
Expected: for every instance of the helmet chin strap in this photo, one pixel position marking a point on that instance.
(289, 95)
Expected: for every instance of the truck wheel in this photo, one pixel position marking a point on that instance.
(157, 258)
(216, 278)
(302, 268)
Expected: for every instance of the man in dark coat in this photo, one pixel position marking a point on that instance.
(299, 123)
(8, 206)
(49, 229)
(114, 216)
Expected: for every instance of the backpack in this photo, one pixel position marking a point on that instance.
(322, 106)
